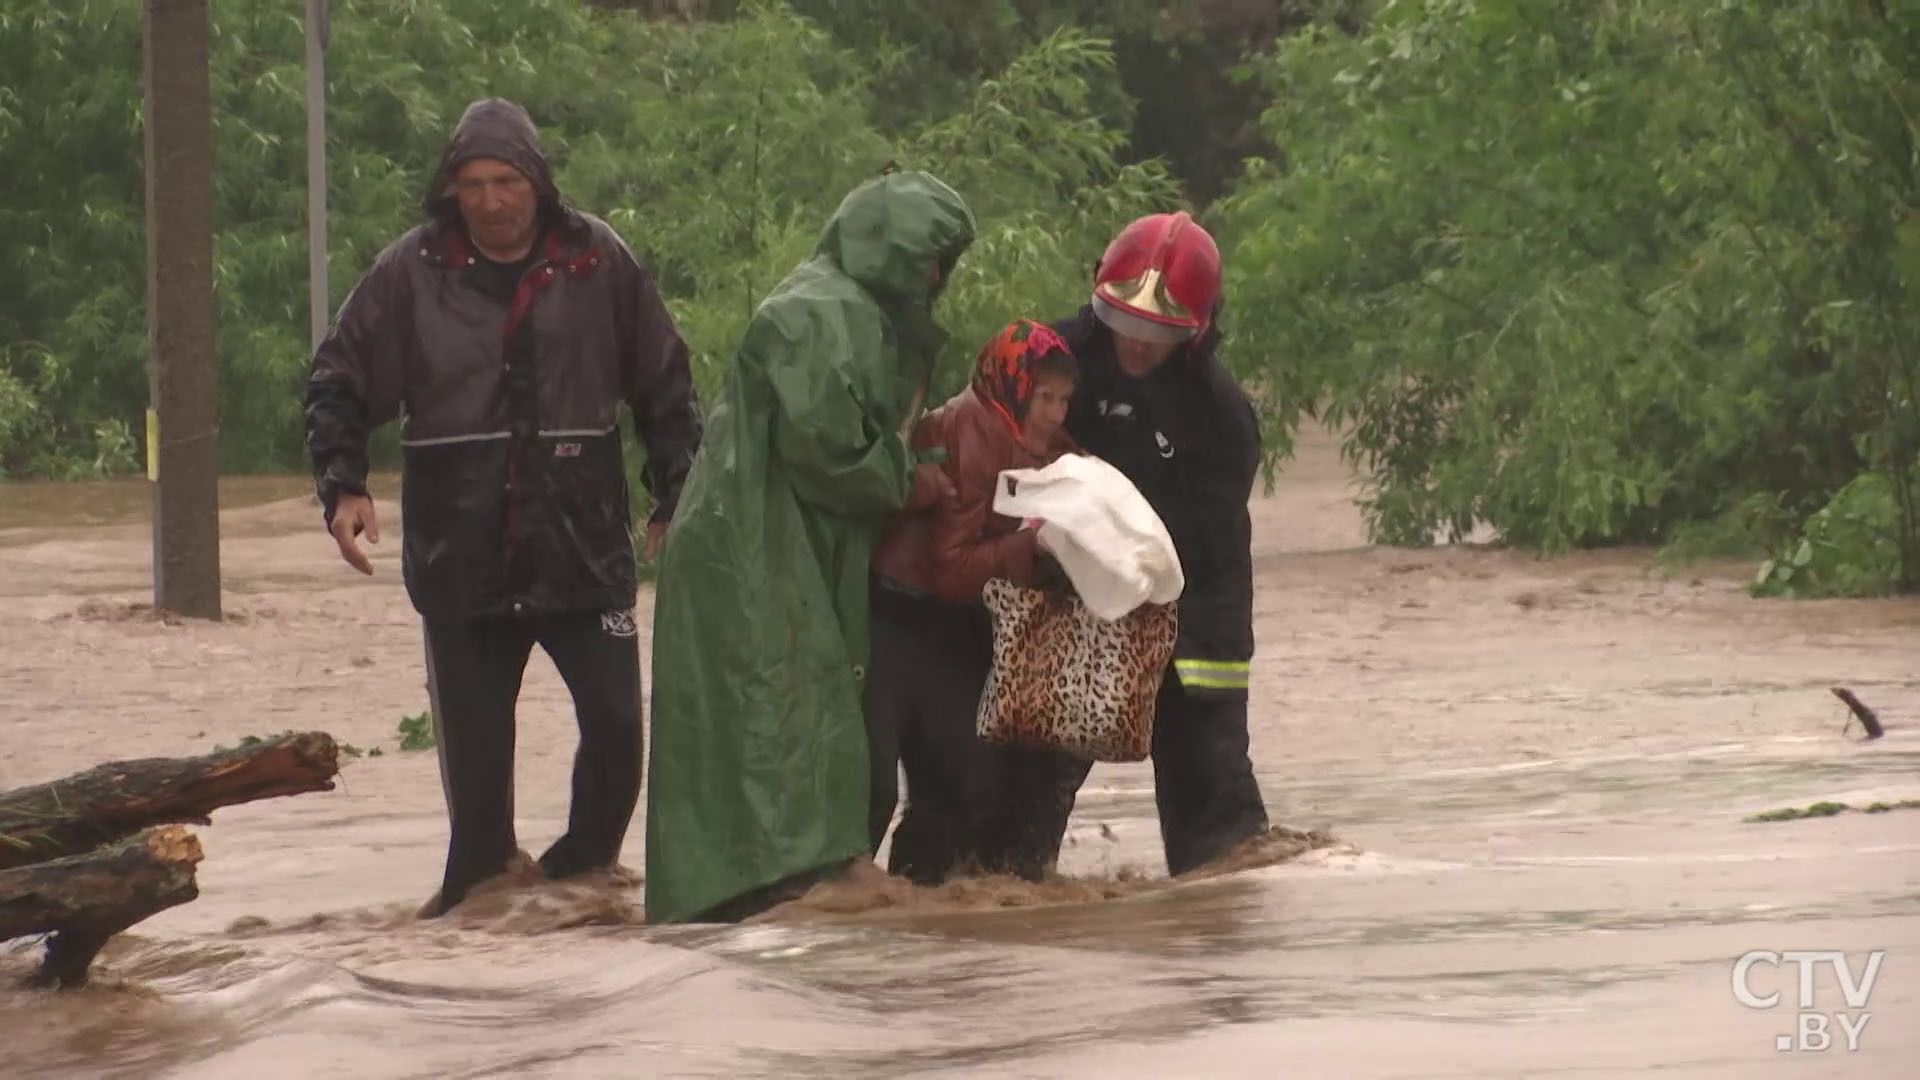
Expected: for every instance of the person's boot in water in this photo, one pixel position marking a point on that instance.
(444, 899)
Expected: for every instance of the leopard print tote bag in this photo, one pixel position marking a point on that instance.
(1066, 679)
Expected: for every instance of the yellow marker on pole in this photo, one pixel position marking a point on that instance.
(153, 444)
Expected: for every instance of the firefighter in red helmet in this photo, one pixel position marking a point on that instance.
(1156, 403)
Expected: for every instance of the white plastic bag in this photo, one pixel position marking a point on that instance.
(1099, 527)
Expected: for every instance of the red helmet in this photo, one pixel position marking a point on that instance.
(1159, 279)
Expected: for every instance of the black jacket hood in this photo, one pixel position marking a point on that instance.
(499, 129)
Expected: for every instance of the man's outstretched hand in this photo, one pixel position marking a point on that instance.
(353, 515)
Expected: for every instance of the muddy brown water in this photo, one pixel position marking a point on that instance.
(1536, 772)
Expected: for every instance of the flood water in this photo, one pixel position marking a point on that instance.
(1536, 775)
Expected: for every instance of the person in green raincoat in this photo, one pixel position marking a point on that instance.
(757, 782)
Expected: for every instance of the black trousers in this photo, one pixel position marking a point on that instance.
(927, 664)
(474, 668)
(970, 806)
(1203, 783)
(1033, 799)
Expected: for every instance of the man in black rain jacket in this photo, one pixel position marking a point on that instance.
(503, 333)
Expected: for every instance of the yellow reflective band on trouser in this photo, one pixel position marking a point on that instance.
(1212, 674)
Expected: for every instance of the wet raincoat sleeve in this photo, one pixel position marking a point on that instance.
(834, 442)
(354, 384)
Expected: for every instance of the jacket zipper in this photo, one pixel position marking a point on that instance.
(520, 308)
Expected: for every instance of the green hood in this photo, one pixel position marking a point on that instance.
(890, 232)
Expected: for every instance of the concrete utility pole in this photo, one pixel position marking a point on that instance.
(183, 431)
(320, 310)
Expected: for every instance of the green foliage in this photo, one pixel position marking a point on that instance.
(1613, 273)
(1041, 173)
(1749, 529)
(1795, 813)
(71, 243)
(929, 55)
(716, 149)
(416, 732)
(1176, 91)
(250, 742)
(1829, 809)
(1589, 274)
(1850, 547)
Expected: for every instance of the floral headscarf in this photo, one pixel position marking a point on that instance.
(1003, 372)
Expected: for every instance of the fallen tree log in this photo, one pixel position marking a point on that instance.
(82, 900)
(113, 801)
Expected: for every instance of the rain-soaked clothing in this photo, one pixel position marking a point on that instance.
(507, 379)
(758, 771)
(1188, 438)
(932, 642)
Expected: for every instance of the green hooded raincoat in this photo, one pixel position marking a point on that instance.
(758, 766)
